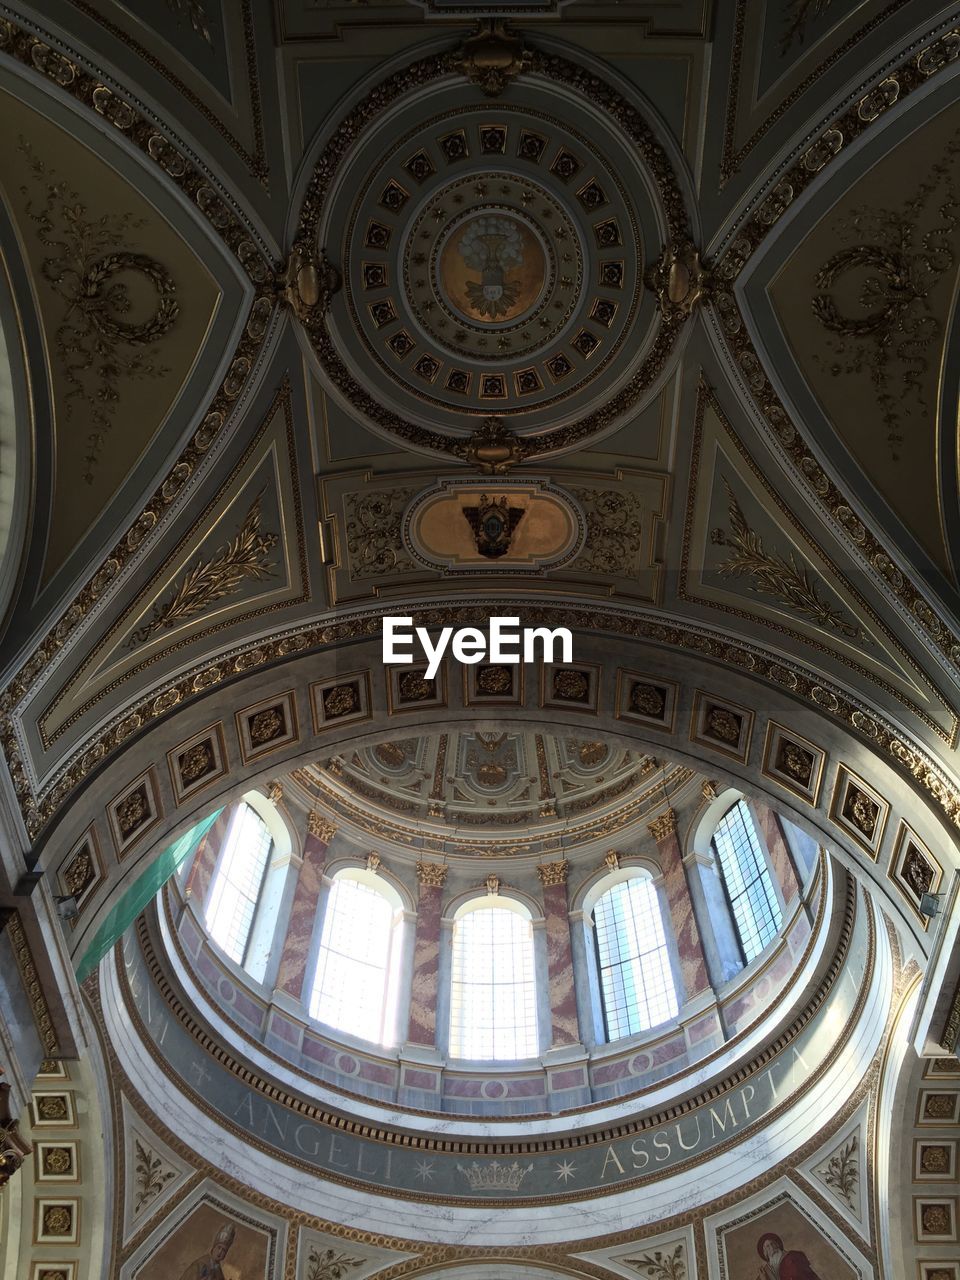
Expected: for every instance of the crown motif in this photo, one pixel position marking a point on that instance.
(495, 1176)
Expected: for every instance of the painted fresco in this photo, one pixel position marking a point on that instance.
(781, 1244)
(209, 1245)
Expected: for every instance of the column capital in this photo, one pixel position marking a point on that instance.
(552, 873)
(664, 825)
(320, 826)
(432, 874)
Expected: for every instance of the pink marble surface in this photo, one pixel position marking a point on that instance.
(205, 859)
(422, 1027)
(772, 836)
(693, 966)
(296, 945)
(565, 1028)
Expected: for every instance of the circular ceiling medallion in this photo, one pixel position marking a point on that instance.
(492, 256)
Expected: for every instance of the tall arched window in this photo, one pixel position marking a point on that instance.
(493, 999)
(237, 882)
(354, 989)
(743, 868)
(636, 981)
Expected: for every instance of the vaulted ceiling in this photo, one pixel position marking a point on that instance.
(291, 294)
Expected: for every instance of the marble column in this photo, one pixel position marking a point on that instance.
(693, 965)
(205, 859)
(781, 862)
(303, 912)
(422, 1024)
(564, 1025)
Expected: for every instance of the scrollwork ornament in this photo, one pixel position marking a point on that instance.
(89, 266)
(492, 57)
(680, 281)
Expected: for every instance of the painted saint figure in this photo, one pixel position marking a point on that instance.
(491, 245)
(778, 1265)
(209, 1268)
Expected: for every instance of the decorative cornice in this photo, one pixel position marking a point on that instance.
(552, 873)
(320, 826)
(432, 875)
(663, 826)
(32, 986)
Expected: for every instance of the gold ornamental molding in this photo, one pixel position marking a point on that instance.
(553, 873)
(32, 986)
(663, 826)
(320, 826)
(779, 671)
(834, 138)
(432, 875)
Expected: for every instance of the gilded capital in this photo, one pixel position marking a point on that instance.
(553, 872)
(432, 874)
(320, 826)
(663, 826)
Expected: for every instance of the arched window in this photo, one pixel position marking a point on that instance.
(493, 999)
(743, 868)
(354, 989)
(235, 891)
(636, 981)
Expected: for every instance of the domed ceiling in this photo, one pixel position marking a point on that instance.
(492, 255)
(490, 779)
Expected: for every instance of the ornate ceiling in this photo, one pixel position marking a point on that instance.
(634, 318)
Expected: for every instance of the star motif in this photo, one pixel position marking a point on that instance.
(503, 343)
(425, 1170)
(566, 282)
(460, 335)
(544, 322)
(419, 259)
(560, 233)
(566, 1171)
(527, 197)
(458, 198)
(439, 214)
(505, 189)
(480, 189)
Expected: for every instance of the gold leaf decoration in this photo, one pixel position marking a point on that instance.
(772, 574)
(243, 557)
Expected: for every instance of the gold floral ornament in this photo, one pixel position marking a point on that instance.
(771, 574)
(243, 558)
(90, 267)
